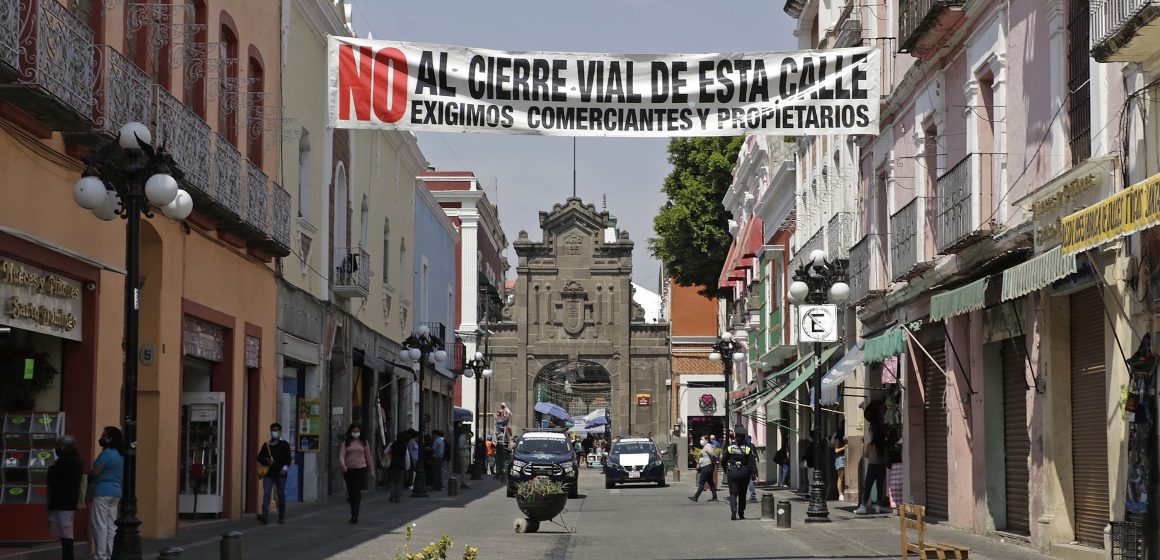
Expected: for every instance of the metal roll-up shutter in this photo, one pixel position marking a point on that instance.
(1016, 440)
(1089, 410)
(935, 429)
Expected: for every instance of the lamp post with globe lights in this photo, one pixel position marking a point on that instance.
(817, 282)
(477, 368)
(124, 177)
(424, 348)
(726, 346)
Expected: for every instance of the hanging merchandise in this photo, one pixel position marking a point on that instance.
(1138, 412)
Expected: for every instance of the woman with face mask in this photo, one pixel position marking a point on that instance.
(355, 460)
(105, 479)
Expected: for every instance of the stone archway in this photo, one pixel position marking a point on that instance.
(580, 387)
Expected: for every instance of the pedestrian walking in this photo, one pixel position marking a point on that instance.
(274, 460)
(705, 465)
(438, 454)
(479, 464)
(398, 463)
(739, 461)
(839, 444)
(427, 462)
(356, 461)
(64, 491)
(753, 481)
(463, 455)
(874, 452)
(781, 459)
(105, 481)
(490, 455)
(413, 449)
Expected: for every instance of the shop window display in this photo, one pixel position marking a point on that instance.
(30, 409)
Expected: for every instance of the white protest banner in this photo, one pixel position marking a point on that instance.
(376, 84)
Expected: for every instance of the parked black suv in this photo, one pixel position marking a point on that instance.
(544, 454)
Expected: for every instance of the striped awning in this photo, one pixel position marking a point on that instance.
(880, 347)
(958, 301)
(1037, 273)
(770, 394)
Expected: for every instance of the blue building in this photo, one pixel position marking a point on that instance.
(436, 295)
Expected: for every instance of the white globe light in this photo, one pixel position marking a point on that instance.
(468, 373)
(798, 291)
(89, 192)
(414, 354)
(440, 356)
(727, 336)
(161, 189)
(108, 210)
(479, 355)
(738, 356)
(130, 132)
(180, 207)
(714, 357)
(839, 292)
(818, 257)
(487, 373)
(423, 330)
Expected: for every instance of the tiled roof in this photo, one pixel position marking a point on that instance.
(694, 364)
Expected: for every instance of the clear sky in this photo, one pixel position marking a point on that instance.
(532, 172)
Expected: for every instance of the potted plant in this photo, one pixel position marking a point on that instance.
(541, 499)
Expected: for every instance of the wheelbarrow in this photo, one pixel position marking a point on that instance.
(538, 509)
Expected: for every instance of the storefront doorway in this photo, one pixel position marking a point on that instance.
(201, 491)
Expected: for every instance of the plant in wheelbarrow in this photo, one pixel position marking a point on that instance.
(540, 499)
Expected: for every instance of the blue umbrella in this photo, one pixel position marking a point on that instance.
(553, 409)
(598, 421)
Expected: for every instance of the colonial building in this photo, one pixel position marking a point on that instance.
(572, 334)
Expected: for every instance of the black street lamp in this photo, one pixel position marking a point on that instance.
(727, 347)
(818, 282)
(122, 178)
(477, 368)
(422, 347)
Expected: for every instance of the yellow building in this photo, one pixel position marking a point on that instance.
(204, 76)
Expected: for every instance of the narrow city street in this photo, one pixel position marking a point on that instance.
(636, 522)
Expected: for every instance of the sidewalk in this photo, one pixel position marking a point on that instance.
(852, 535)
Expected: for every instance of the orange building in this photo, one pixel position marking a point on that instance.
(203, 75)
(698, 395)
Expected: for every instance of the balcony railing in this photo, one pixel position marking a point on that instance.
(840, 235)
(923, 25)
(53, 64)
(865, 272)
(886, 61)
(908, 240)
(124, 93)
(352, 276)
(961, 199)
(227, 184)
(281, 219)
(1124, 30)
(188, 139)
(816, 242)
(9, 38)
(257, 199)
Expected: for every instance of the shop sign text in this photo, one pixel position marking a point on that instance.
(39, 301)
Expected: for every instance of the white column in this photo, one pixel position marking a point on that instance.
(1056, 52)
(972, 98)
(469, 302)
(998, 67)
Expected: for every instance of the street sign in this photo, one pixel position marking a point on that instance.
(818, 323)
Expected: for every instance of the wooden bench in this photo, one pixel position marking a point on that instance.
(913, 516)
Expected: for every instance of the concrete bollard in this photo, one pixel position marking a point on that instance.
(452, 486)
(784, 514)
(767, 506)
(171, 553)
(676, 475)
(231, 547)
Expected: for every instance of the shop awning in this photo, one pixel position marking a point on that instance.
(1037, 273)
(771, 379)
(838, 374)
(958, 301)
(878, 348)
(760, 399)
(724, 281)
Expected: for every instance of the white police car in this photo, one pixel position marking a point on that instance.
(634, 459)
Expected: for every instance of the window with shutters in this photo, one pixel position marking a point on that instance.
(1078, 77)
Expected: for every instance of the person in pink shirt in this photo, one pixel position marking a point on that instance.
(356, 461)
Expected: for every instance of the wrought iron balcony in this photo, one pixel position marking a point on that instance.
(352, 276)
(124, 93)
(803, 253)
(840, 235)
(925, 25)
(257, 199)
(886, 61)
(52, 66)
(1124, 30)
(908, 254)
(281, 220)
(865, 271)
(189, 139)
(227, 183)
(961, 199)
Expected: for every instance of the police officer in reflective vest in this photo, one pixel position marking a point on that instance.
(740, 462)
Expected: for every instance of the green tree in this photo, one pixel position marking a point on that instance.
(692, 226)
